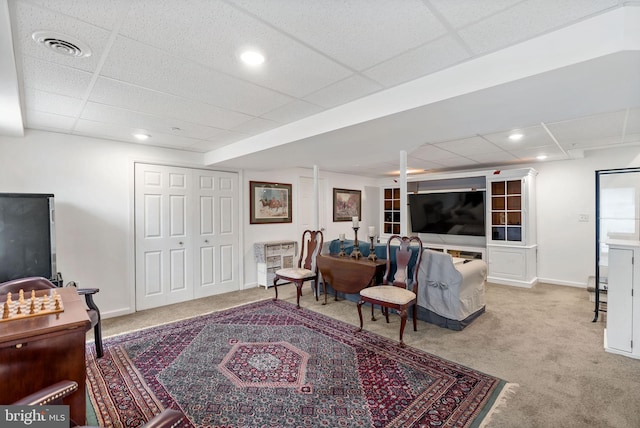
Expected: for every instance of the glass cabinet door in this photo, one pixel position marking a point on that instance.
(506, 210)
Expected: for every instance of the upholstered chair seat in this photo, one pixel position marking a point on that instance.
(389, 293)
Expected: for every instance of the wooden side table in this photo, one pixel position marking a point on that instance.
(39, 351)
(348, 275)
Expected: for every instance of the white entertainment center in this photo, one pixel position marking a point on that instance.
(509, 245)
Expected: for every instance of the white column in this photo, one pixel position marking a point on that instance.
(316, 202)
(403, 194)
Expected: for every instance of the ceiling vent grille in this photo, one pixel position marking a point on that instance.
(62, 44)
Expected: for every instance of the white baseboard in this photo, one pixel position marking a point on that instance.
(565, 283)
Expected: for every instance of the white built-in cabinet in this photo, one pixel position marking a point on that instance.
(511, 227)
(623, 299)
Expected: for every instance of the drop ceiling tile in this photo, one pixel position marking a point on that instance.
(468, 146)
(124, 133)
(102, 13)
(530, 154)
(375, 31)
(457, 162)
(461, 13)
(426, 59)
(29, 18)
(215, 27)
(153, 124)
(528, 19)
(49, 121)
(534, 136)
(119, 94)
(47, 102)
(593, 143)
(344, 91)
(426, 165)
(493, 157)
(293, 111)
(572, 133)
(151, 68)
(54, 78)
(430, 152)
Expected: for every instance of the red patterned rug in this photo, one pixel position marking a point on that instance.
(268, 364)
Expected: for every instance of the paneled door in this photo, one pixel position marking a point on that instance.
(186, 234)
(217, 236)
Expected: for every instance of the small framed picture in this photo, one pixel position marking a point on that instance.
(269, 202)
(346, 204)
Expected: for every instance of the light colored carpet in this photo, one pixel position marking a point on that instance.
(541, 339)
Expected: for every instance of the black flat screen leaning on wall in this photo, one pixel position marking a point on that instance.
(27, 237)
(448, 213)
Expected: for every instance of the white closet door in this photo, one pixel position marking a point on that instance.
(163, 228)
(217, 233)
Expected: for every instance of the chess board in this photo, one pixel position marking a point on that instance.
(19, 307)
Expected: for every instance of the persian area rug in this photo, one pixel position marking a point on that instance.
(268, 364)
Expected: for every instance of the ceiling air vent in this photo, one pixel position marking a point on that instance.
(62, 44)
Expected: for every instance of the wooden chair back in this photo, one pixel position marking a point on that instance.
(311, 245)
(403, 254)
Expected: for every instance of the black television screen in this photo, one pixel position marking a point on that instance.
(448, 213)
(27, 244)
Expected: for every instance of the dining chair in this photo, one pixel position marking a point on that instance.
(307, 269)
(397, 291)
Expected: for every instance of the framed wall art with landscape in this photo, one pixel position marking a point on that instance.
(269, 202)
(346, 204)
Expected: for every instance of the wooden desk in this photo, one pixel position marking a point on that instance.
(348, 275)
(39, 351)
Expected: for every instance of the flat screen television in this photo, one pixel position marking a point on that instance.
(27, 236)
(448, 213)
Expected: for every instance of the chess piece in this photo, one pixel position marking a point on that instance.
(56, 298)
(21, 296)
(5, 311)
(33, 294)
(32, 307)
(9, 298)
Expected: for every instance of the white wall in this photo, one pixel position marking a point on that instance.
(92, 180)
(291, 231)
(566, 189)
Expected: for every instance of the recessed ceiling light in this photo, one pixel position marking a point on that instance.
(142, 137)
(541, 157)
(252, 58)
(515, 136)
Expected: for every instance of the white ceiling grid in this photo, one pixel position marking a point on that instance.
(170, 69)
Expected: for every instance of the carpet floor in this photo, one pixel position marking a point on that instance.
(268, 364)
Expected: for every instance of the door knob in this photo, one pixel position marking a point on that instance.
(206, 241)
(180, 243)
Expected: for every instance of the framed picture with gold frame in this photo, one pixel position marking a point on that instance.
(269, 202)
(346, 204)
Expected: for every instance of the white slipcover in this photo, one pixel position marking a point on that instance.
(452, 291)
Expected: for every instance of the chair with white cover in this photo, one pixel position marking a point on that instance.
(403, 291)
(307, 269)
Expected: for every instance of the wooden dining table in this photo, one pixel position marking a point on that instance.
(348, 275)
